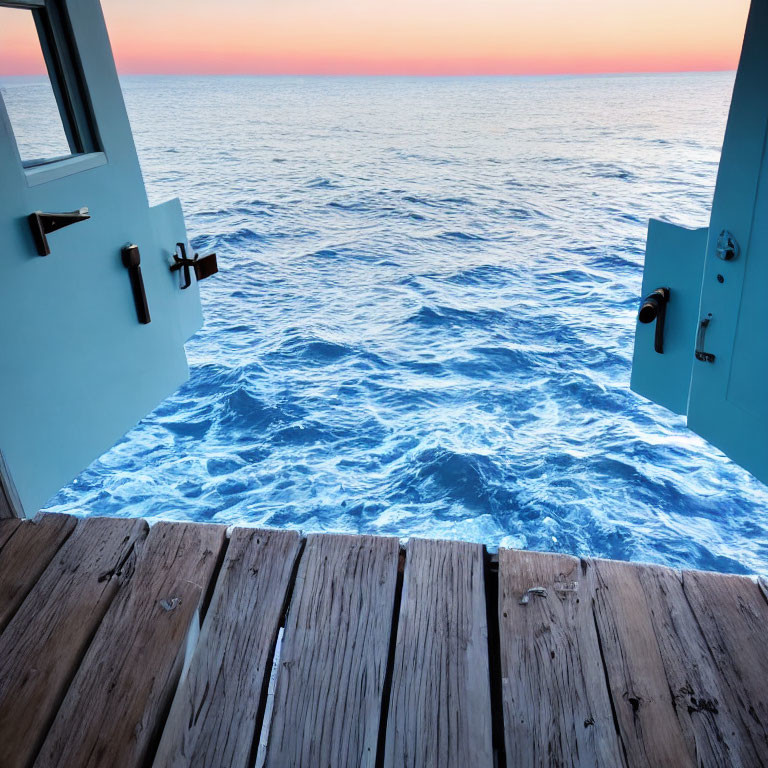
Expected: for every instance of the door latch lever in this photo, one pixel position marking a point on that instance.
(654, 307)
(132, 262)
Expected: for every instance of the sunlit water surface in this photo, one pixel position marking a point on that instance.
(424, 318)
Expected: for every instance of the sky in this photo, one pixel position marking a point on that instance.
(413, 37)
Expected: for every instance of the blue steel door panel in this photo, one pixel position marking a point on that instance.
(674, 259)
(728, 402)
(77, 370)
(168, 228)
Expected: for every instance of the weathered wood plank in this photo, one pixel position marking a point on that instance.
(10, 504)
(6, 511)
(440, 704)
(648, 724)
(109, 716)
(704, 704)
(557, 709)
(684, 654)
(213, 718)
(26, 555)
(333, 661)
(733, 617)
(44, 641)
(7, 529)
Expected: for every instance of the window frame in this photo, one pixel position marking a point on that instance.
(64, 69)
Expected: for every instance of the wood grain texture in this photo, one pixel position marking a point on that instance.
(46, 638)
(10, 504)
(648, 724)
(99, 614)
(733, 617)
(557, 709)
(6, 511)
(706, 707)
(110, 714)
(26, 555)
(7, 529)
(440, 704)
(212, 722)
(327, 705)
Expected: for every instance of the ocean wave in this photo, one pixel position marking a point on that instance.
(424, 327)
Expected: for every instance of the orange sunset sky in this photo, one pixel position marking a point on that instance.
(412, 36)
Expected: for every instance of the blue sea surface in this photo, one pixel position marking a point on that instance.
(424, 318)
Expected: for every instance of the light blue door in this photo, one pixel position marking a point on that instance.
(674, 258)
(714, 366)
(728, 402)
(77, 368)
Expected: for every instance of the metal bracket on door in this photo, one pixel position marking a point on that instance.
(42, 224)
(705, 357)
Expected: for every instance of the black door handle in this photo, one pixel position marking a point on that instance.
(42, 224)
(132, 262)
(654, 307)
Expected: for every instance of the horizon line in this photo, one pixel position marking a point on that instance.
(445, 75)
(596, 73)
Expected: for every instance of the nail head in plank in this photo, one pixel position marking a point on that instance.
(213, 717)
(110, 714)
(440, 704)
(333, 660)
(556, 702)
(646, 717)
(733, 616)
(46, 638)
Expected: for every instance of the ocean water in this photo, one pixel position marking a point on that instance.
(424, 318)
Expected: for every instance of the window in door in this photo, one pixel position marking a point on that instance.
(40, 86)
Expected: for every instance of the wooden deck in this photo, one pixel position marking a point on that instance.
(124, 645)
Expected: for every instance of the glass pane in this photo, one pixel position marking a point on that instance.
(25, 87)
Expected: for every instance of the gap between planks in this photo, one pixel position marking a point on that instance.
(262, 724)
(387, 687)
(491, 573)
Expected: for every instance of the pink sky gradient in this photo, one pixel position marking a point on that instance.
(431, 37)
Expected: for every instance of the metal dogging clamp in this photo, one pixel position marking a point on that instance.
(204, 266)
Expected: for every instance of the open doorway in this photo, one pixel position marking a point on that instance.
(425, 317)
